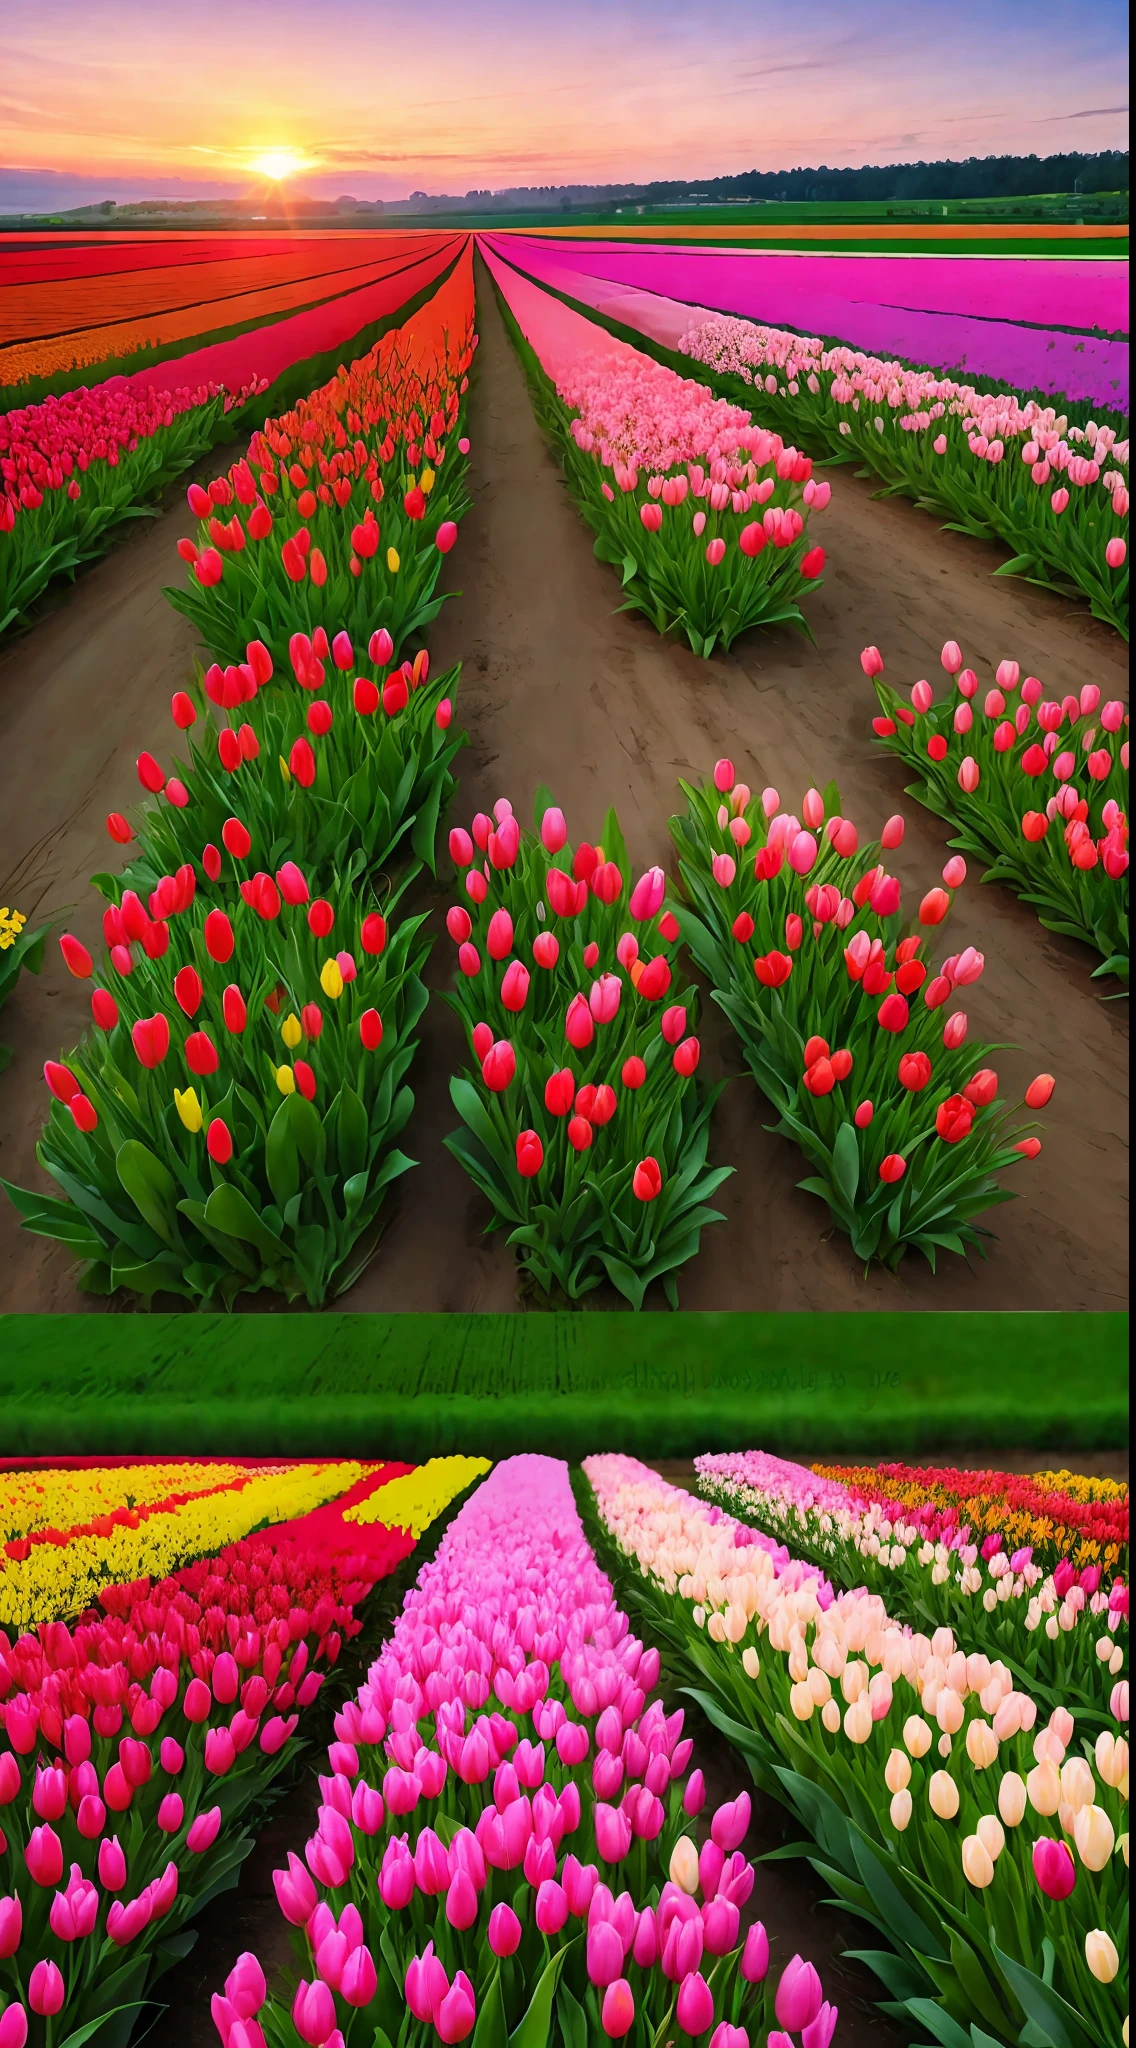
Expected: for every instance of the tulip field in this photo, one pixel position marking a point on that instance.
(1009, 463)
(513, 1837)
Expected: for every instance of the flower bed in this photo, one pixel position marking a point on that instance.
(584, 1123)
(1063, 1517)
(702, 511)
(76, 466)
(983, 1848)
(341, 511)
(261, 1156)
(135, 1744)
(799, 931)
(998, 466)
(1062, 1631)
(527, 1868)
(1038, 790)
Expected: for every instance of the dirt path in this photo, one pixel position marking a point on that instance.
(560, 686)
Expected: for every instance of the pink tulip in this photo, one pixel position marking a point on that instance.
(603, 998)
(617, 2016)
(1115, 553)
(504, 1931)
(872, 662)
(553, 830)
(798, 1996)
(695, 2008)
(647, 895)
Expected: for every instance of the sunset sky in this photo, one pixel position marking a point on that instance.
(125, 99)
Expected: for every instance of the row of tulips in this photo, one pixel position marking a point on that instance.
(505, 1848)
(703, 512)
(340, 512)
(1063, 1516)
(845, 1020)
(1062, 1633)
(230, 1123)
(73, 468)
(137, 1744)
(1035, 786)
(995, 465)
(585, 1120)
(50, 1570)
(986, 1850)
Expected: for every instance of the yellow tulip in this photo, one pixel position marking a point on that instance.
(285, 771)
(188, 1108)
(1101, 1956)
(286, 1080)
(977, 1863)
(943, 1794)
(393, 561)
(290, 1032)
(419, 1497)
(684, 1866)
(331, 980)
(426, 481)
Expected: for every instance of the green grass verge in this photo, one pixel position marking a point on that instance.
(666, 1386)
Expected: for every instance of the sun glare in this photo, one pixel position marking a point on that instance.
(278, 163)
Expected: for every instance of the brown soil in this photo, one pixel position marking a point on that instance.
(560, 686)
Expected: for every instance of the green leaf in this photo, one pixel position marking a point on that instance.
(846, 1163)
(281, 1160)
(228, 1210)
(1045, 2007)
(533, 2029)
(86, 2033)
(491, 2030)
(351, 1132)
(152, 1189)
(630, 569)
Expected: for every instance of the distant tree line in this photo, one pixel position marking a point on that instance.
(986, 177)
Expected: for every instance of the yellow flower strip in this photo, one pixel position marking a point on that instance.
(53, 1583)
(61, 1497)
(419, 1497)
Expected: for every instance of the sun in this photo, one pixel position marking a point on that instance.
(279, 163)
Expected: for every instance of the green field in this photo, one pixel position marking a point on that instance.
(662, 1386)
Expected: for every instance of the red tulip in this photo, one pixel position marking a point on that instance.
(233, 1009)
(1039, 1091)
(579, 1027)
(321, 917)
(1028, 1147)
(634, 1072)
(188, 990)
(444, 539)
(647, 1180)
(1035, 825)
(236, 838)
(914, 1071)
(291, 883)
(546, 949)
(893, 1167)
(579, 1133)
(302, 763)
(218, 1142)
(373, 933)
(499, 938)
(812, 564)
(311, 1020)
(365, 697)
(560, 1092)
(655, 979)
(60, 1080)
(229, 750)
(934, 906)
(515, 986)
(219, 939)
(414, 503)
(686, 1057)
(104, 1009)
(953, 1119)
(530, 1155)
(200, 1053)
(183, 710)
(893, 1013)
(151, 1037)
(982, 1089)
(211, 862)
(819, 1078)
(371, 1030)
(863, 1116)
(76, 957)
(773, 969)
(83, 1112)
(499, 1066)
(119, 828)
(319, 718)
(743, 927)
